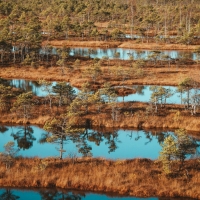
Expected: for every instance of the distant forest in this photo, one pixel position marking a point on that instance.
(25, 24)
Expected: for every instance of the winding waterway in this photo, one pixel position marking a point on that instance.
(142, 92)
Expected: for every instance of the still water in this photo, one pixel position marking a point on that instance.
(142, 92)
(53, 194)
(111, 144)
(123, 54)
(30, 86)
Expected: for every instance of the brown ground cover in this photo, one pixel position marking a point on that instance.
(68, 43)
(129, 115)
(170, 117)
(152, 75)
(160, 46)
(128, 45)
(137, 177)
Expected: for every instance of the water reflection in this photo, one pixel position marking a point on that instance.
(111, 144)
(143, 94)
(140, 36)
(33, 86)
(24, 137)
(58, 195)
(124, 54)
(54, 194)
(8, 195)
(109, 138)
(24, 85)
(28, 86)
(3, 129)
(58, 139)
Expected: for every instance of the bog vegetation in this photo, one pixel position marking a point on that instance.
(27, 30)
(24, 25)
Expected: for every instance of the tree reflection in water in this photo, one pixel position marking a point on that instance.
(139, 89)
(150, 135)
(81, 140)
(57, 195)
(110, 137)
(53, 194)
(24, 137)
(3, 129)
(160, 135)
(23, 85)
(61, 140)
(8, 195)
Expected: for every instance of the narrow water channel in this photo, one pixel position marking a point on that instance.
(29, 86)
(53, 194)
(124, 54)
(142, 93)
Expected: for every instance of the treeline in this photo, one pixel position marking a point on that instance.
(27, 22)
(24, 25)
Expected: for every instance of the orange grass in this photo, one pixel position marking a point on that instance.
(137, 177)
(160, 46)
(113, 44)
(130, 115)
(93, 44)
(156, 75)
(159, 75)
(165, 118)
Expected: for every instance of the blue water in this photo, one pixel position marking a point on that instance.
(116, 144)
(124, 54)
(140, 37)
(143, 93)
(33, 86)
(50, 194)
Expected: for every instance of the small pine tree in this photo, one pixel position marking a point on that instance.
(177, 147)
(167, 155)
(185, 146)
(9, 154)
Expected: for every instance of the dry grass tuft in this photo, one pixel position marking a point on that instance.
(137, 177)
